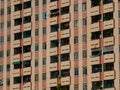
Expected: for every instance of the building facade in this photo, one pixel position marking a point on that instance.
(59, 44)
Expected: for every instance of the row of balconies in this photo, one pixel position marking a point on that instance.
(64, 18)
(64, 81)
(63, 65)
(106, 42)
(105, 25)
(106, 8)
(54, 5)
(107, 58)
(106, 75)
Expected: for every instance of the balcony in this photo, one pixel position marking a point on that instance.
(27, 71)
(95, 43)
(65, 81)
(65, 49)
(95, 77)
(53, 82)
(108, 41)
(108, 7)
(27, 56)
(65, 33)
(28, 26)
(53, 66)
(65, 18)
(109, 75)
(53, 51)
(109, 58)
(53, 36)
(65, 3)
(95, 60)
(27, 12)
(109, 24)
(27, 86)
(16, 1)
(16, 43)
(16, 14)
(16, 29)
(65, 65)
(16, 72)
(53, 20)
(94, 27)
(27, 41)
(53, 5)
(16, 87)
(94, 11)
(16, 57)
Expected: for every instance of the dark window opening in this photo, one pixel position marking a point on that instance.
(26, 49)
(65, 25)
(64, 10)
(64, 41)
(96, 68)
(54, 59)
(65, 57)
(54, 28)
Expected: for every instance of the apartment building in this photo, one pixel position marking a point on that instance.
(59, 44)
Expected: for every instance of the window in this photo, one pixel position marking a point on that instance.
(84, 38)
(75, 7)
(7, 81)
(8, 52)
(8, 24)
(8, 10)
(36, 32)
(36, 62)
(27, 19)
(44, 61)
(36, 47)
(76, 71)
(36, 17)
(54, 59)
(84, 6)
(84, 21)
(1, 82)
(84, 53)
(1, 12)
(36, 77)
(85, 86)
(44, 46)
(44, 2)
(1, 26)
(8, 68)
(1, 68)
(36, 2)
(1, 40)
(27, 4)
(119, 14)
(75, 55)
(1, 54)
(43, 76)
(17, 80)
(76, 87)
(26, 63)
(75, 39)
(43, 15)
(18, 36)
(84, 70)
(27, 34)
(26, 48)
(75, 23)
(18, 7)
(44, 30)
(17, 50)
